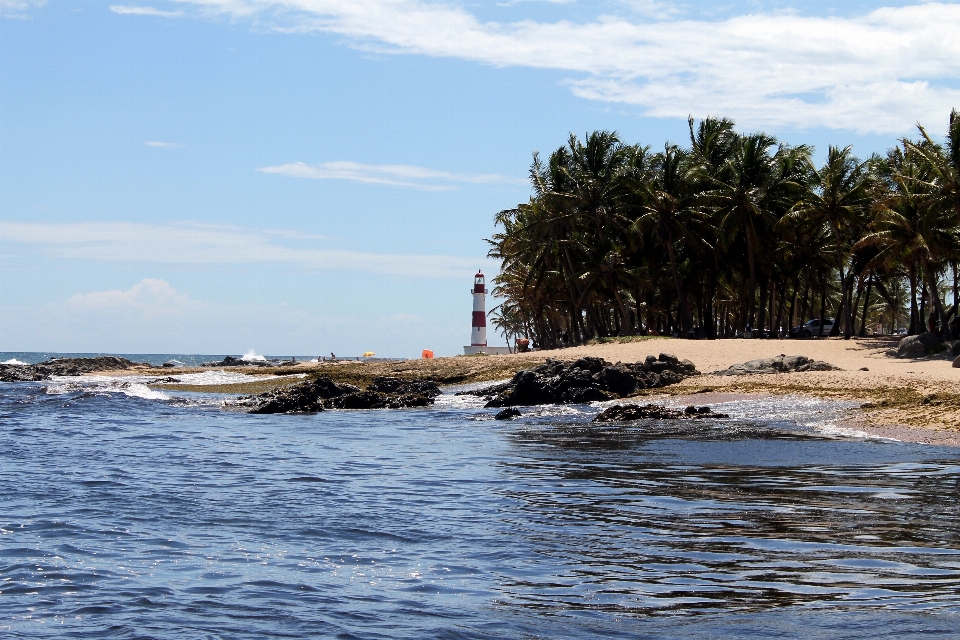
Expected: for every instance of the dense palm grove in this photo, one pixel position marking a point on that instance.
(737, 232)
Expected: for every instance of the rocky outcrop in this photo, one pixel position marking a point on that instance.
(61, 367)
(919, 346)
(322, 393)
(628, 412)
(389, 384)
(586, 380)
(374, 400)
(230, 361)
(507, 414)
(780, 364)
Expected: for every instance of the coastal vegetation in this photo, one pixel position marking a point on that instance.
(736, 232)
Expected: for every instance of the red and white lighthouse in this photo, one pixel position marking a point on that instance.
(478, 335)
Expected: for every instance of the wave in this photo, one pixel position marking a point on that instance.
(251, 356)
(103, 384)
(16, 362)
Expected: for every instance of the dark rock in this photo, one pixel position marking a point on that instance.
(864, 369)
(628, 412)
(230, 361)
(620, 380)
(586, 380)
(507, 414)
(956, 363)
(780, 364)
(919, 346)
(375, 400)
(303, 397)
(388, 384)
(61, 367)
(322, 393)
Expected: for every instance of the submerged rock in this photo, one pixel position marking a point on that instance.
(780, 364)
(61, 367)
(586, 380)
(507, 414)
(628, 412)
(323, 393)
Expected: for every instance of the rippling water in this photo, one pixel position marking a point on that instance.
(166, 517)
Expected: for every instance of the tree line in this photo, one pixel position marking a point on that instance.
(735, 232)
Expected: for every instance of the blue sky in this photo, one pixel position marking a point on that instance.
(307, 176)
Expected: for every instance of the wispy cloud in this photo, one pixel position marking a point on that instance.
(165, 145)
(134, 10)
(652, 8)
(875, 72)
(19, 8)
(202, 244)
(399, 175)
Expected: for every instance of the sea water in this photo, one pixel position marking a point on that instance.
(127, 512)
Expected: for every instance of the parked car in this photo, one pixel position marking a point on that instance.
(811, 328)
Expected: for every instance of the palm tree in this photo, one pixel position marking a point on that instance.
(840, 198)
(668, 204)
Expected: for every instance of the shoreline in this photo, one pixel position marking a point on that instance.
(908, 400)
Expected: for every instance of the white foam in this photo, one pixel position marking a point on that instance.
(251, 356)
(14, 361)
(223, 377)
(103, 384)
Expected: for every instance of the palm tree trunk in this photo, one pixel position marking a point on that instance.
(923, 301)
(804, 307)
(752, 282)
(823, 305)
(937, 303)
(852, 314)
(914, 312)
(956, 287)
(762, 307)
(684, 311)
(866, 305)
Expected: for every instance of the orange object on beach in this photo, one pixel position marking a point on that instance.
(427, 354)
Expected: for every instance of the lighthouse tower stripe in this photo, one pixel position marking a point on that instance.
(478, 337)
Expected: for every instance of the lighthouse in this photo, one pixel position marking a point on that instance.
(478, 334)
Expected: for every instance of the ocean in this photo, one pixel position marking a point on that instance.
(127, 512)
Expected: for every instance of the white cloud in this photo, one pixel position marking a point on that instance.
(153, 316)
(199, 244)
(652, 8)
(165, 145)
(143, 11)
(401, 175)
(876, 72)
(19, 8)
(145, 294)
